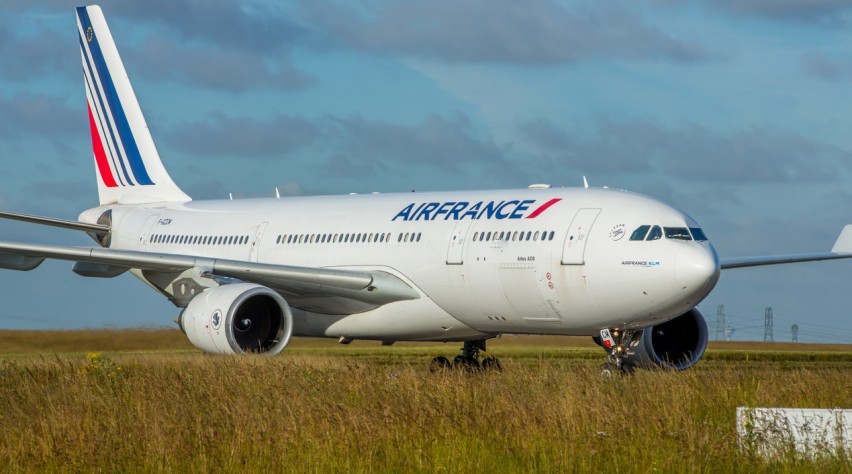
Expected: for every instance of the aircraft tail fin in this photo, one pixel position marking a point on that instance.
(127, 165)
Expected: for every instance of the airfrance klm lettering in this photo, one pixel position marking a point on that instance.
(430, 211)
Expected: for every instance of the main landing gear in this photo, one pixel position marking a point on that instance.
(468, 359)
(615, 342)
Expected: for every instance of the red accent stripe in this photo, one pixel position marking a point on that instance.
(543, 207)
(100, 155)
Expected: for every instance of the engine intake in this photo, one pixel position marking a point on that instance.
(676, 344)
(238, 318)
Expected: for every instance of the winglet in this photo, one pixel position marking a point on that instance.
(844, 241)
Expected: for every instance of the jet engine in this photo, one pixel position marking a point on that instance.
(238, 318)
(676, 344)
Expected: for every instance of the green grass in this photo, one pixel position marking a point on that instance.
(322, 407)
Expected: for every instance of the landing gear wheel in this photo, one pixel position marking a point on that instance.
(492, 363)
(466, 362)
(609, 369)
(439, 364)
(617, 343)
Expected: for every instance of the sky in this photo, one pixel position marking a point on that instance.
(737, 112)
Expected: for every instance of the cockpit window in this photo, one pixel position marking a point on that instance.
(678, 233)
(655, 234)
(698, 234)
(640, 232)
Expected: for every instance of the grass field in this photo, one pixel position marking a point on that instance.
(149, 402)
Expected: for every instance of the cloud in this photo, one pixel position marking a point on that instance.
(249, 26)
(435, 142)
(495, 31)
(221, 135)
(242, 46)
(215, 68)
(218, 45)
(291, 188)
(690, 151)
(31, 114)
(36, 52)
(831, 13)
(356, 147)
(823, 67)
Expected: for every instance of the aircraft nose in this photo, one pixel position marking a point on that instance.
(697, 268)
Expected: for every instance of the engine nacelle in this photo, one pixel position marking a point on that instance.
(238, 318)
(675, 344)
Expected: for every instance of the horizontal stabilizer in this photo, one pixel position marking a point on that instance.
(74, 225)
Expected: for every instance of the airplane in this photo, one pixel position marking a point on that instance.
(466, 266)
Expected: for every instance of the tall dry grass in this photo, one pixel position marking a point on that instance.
(307, 412)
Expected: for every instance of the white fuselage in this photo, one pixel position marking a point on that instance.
(534, 261)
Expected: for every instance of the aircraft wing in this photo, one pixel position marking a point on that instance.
(324, 290)
(842, 249)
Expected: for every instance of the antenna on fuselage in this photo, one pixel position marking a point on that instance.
(585, 183)
(231, 196)
(277, 194)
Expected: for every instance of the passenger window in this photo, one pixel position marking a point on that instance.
(677, 233)
(655, 234)
(640, 232)
(535, 236)
(698, 234)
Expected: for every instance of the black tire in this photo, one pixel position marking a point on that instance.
(439, 364)
(468, 363)
(492, 363)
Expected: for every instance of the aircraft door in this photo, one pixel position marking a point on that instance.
(147, 232)
(255, 245)
(457, 240)
(575, 243)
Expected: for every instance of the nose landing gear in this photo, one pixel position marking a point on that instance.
(616, 342)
